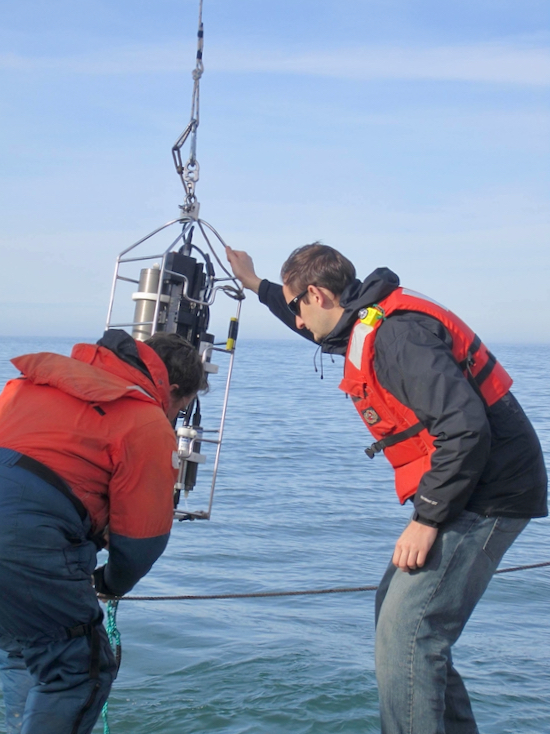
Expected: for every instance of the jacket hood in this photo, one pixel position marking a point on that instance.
(96, 373)
(378, 285)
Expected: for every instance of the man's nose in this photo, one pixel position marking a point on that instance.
(300, 323)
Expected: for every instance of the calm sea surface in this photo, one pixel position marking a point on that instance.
(299, 506)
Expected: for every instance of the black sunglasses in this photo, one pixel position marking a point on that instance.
(294, 305)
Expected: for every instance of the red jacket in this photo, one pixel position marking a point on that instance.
(100, 423)
(405, 442)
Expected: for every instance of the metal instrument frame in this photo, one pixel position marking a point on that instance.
(226, 284)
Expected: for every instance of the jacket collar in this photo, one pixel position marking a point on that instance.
(376, 286)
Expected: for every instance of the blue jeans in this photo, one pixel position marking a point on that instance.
(419, 617)
(57, 666)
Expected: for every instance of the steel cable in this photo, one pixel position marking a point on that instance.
(307, 592)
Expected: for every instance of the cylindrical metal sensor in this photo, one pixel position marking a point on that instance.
(146, 301)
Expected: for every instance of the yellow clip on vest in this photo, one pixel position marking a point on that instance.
(369, 316)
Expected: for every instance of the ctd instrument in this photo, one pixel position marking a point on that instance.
(174, 286)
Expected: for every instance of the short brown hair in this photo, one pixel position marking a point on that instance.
(319, 265)
(182, 361)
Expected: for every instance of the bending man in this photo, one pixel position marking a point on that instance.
(440, 408)
(87, 446)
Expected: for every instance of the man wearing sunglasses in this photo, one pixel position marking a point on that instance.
(439, 406)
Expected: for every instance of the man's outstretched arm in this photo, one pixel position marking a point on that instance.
(270, 294)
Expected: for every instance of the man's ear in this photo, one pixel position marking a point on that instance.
(315, 294)
(324, 297)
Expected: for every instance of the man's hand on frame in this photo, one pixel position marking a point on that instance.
(243, 268)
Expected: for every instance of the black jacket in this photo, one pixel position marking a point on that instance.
(488, 461)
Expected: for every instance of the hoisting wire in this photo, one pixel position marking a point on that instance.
(190, 171)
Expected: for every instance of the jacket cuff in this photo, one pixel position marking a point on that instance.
(99, 582)
(424, 521)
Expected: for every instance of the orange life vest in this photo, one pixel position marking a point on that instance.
(405, 442)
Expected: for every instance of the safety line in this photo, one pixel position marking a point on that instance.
(114, 640)
(310, 592)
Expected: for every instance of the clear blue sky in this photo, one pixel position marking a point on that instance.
(413, 134)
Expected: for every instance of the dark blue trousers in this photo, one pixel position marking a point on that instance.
(56, 664)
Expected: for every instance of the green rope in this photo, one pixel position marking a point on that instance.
(114, 640)
(104, 715)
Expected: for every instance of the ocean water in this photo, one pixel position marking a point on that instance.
(299, 506)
